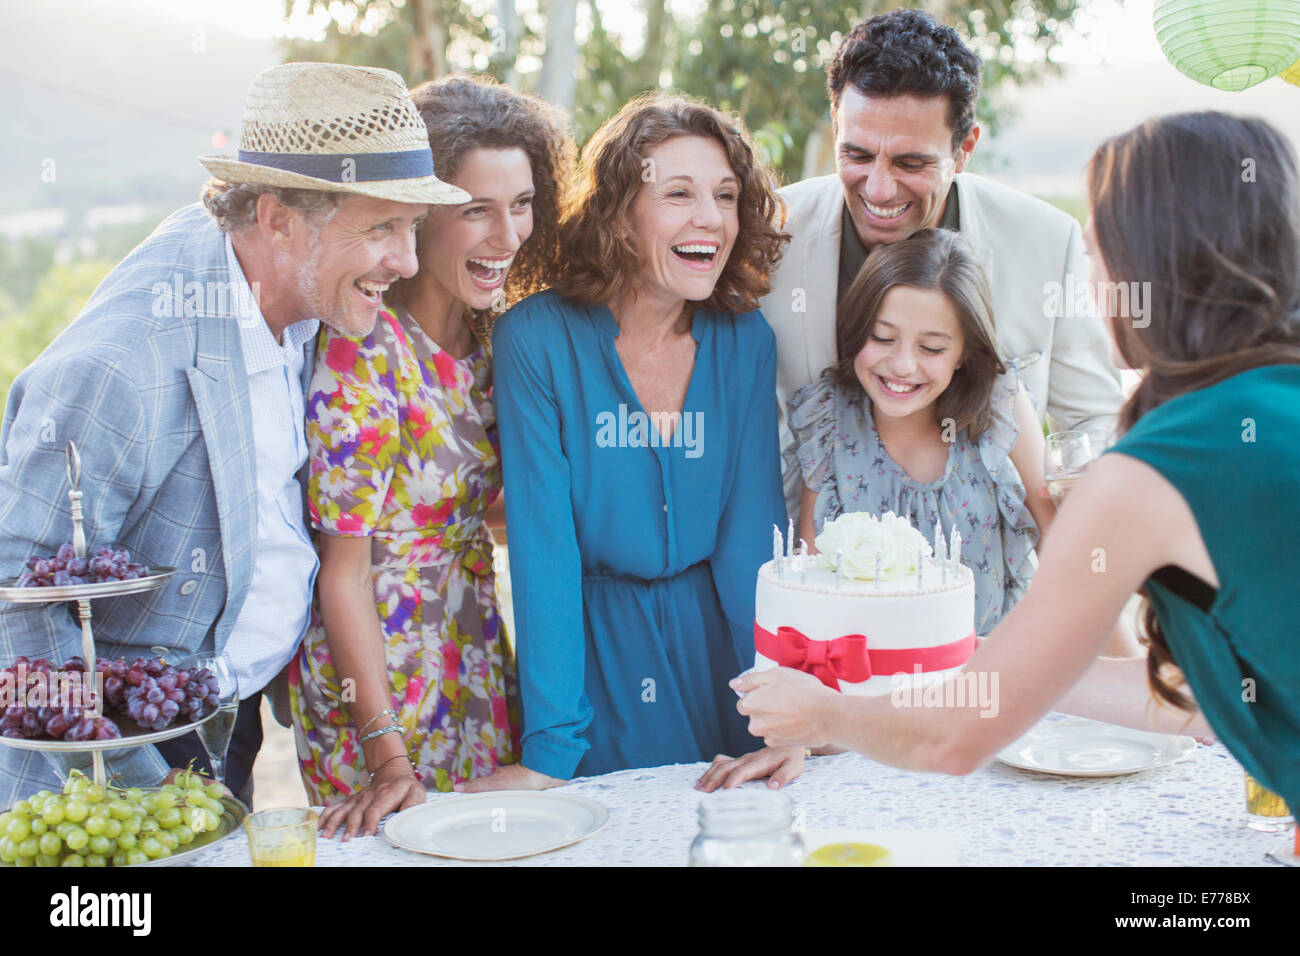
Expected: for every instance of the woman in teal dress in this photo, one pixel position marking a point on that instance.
(1196, 502)
(637, 409)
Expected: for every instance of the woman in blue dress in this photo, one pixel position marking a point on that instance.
(637, 410)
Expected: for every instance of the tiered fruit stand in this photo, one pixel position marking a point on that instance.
(83, 594)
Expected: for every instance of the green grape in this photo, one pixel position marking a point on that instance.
(150, 803)
(77, 784)
(73, 860)
(52, 813)
(43, 860)
(211, 819)
(29, 848)
(5, 819)
(149, 825)
(102, 810)
(50, 844)
(168, 839)
(25, 861)
(43, 795)
(63, 829)
(95, 793)
(169, 818)
(95, 826)
(37, 803)
(101, 845)
(77, 839)
(127, 841)
(184, 835)
(96, 860)
(134, 794)
(136, 857)
(152, 848)
(119, 858)
(164, 801)
(131, 824)
(112, 829)
(22, 808)
(76, 810)
(18, 830)
(9, 850)
(196, 819)
(39, 826)
(119, 810)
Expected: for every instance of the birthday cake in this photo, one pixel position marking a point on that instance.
(877, 609)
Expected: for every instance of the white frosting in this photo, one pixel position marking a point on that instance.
(895, 614)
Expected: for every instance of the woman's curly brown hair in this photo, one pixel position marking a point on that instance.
(467, 113)
(601, 256)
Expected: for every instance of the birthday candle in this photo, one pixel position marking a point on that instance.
(789, 541)
(956, 548)
(776, 551)
(940, 551)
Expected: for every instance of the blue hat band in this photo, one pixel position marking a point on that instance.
(340, 168)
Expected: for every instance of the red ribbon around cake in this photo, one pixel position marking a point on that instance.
(849, 659)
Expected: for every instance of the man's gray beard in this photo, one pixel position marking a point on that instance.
(309, 285)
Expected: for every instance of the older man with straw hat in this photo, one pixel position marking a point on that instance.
(182, 383)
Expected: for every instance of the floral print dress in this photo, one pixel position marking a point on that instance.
(403, 449)
(981, 494)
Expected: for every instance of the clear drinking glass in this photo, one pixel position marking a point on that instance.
(747, 828)
(1066, 459)
(216, 730)
(282, 837)
(1265, 810)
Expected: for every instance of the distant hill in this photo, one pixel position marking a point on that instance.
(119, 99)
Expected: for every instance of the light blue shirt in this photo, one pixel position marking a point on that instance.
(275, 614)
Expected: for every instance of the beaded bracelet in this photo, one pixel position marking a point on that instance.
(382, 713)
(390, 729)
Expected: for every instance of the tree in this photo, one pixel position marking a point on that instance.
(764, 59)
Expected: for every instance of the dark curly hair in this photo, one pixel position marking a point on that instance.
(1222, 271)
(601, 254)
(906, 52)
(943, 261)
(466, 113)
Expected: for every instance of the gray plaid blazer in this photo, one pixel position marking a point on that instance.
(149, 381)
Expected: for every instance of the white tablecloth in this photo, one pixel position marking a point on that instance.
(1190, 813)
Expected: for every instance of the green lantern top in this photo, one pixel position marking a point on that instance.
(1229, 44)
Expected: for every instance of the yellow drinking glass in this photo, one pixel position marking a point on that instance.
(282, 837)
(1265, 810)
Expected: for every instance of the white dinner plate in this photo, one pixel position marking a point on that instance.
(505, 825)
(1077, 747)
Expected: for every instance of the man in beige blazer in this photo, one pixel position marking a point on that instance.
(903, 89)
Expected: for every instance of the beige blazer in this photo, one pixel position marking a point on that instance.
(1033, 256)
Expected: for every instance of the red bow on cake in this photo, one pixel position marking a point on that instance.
(849, 659)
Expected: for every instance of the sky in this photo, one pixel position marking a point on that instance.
(1108, 30)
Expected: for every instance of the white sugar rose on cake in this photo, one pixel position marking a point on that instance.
(878, 607)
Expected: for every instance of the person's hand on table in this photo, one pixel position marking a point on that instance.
(785, 707)
(395, 787)
(513, 777)
(779, 764)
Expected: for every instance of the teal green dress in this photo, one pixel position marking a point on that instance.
(1233, 452)
(633, 562)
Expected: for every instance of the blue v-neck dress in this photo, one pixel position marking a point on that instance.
(633, 559)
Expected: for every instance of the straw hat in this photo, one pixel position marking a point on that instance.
(348, 129)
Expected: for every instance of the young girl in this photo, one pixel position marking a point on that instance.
(920, 417)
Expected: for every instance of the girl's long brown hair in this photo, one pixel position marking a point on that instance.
(1205, 208)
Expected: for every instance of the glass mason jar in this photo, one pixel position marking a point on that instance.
(747, 828)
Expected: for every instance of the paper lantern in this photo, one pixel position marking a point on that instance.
(1229, 44)
(1292, 73)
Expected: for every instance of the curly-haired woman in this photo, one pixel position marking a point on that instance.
(407, 682)
(639, 435)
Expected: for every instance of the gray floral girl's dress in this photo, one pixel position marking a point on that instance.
(844, 461)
